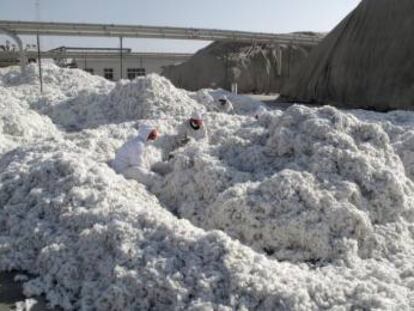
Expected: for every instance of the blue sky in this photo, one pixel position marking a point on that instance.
(277, 16)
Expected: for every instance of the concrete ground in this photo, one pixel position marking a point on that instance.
(269, 100)
(11, 292)
(266, 98)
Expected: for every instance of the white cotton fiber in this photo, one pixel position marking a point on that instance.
(308, 209)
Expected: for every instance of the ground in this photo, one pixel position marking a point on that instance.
(11, 292)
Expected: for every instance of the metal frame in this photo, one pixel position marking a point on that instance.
(160, 32)
(89, 49)
(19, 43)
(80, 54)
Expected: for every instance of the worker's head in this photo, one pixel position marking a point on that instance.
(223, 100)
(196, 120)
(153, 135)
(259, 112)
(146, 132)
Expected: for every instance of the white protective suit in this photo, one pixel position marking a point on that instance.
(129, 159)
(262, 115)
(185, 133)
(225, 105)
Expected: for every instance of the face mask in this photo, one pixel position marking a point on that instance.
(195, 125)
(153, 136)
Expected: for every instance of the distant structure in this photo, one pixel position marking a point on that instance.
(104, 62)
(366, 62)
(16, 28)
(156, 32)
(10, 55)
(253, 68)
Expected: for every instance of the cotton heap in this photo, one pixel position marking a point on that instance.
(310, 210)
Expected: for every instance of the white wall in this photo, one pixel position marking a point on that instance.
(151, 64)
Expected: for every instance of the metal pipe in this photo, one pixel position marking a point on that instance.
(279, 56)
(289, 60)
(82, 54)
(138, 31)
(120, 52)
(39, 62)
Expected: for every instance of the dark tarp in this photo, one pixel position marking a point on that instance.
(366, 62)
(253, 67)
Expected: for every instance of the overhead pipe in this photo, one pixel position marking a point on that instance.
(139, 31)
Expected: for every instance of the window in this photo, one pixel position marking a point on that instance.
(132, 73)
(109, 73)
(90, 70)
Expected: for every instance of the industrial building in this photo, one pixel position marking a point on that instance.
(108, 64)
(14, 29)
(105, 62)
(118, 63)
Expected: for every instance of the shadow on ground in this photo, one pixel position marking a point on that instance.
(11, 292)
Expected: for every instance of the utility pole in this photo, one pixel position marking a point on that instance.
(39, 62)
(120, 54)
(39, 56)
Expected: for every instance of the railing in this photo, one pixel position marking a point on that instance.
(160, 32)
(80, 54)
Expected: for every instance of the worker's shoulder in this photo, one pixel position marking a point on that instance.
(134, 143)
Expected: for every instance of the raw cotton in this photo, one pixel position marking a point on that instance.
(20, 125)
(144, 98)
(310, 210)
(331, 186)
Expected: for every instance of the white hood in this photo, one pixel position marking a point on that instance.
(144, 131)
(197, 115)
(260, 111)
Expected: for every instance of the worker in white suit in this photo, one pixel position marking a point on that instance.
(259, 112)
(263, 116)
(225, 105)
(193, 128)
(129, 159)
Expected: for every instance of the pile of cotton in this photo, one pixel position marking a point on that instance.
(194, 183)
(147, 97)
(67, 81)
(344, 153)
(209, 98)
(311, 209)
(201, 171)
(150, 97)
(331, 185)
(19, 125)
(404, 147)
(205, 98)
(97, 241)
(399, 127)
